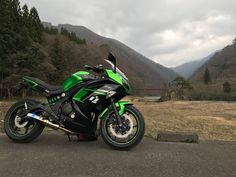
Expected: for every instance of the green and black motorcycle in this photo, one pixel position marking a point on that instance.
(76, 107)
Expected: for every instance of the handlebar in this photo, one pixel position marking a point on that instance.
(97, 69)
(88, 67)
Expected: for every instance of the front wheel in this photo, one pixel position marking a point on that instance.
(126, 136)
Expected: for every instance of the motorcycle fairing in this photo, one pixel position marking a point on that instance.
(120, 105)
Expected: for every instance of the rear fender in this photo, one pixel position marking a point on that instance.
(120, 105)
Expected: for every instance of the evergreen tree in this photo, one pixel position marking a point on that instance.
(57, 60)
(72, 36)
(207, 77)
(53, 30)
(25, 15)
(16, 15)
(181, 83)
(178, 85)
(25, 35)
(7, 37)
(36, 27)
(6, 28)
(234, 41)
(64, 32)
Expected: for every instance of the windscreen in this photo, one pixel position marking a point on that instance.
(117, 69)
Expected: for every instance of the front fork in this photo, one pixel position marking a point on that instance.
(118, 117)
(118, 107)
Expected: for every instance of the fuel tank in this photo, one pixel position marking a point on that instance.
(76, 78)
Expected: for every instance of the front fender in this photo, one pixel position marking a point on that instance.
(120, 105)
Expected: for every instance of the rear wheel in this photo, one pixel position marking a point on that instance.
(126, 136)
(17, 128)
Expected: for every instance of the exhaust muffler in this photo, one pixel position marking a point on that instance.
(48, 123)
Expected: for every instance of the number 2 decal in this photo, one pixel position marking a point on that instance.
(94, 99)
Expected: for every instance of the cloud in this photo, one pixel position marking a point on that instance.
(170, 32)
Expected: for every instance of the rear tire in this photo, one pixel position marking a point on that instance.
(112, 142)
(11, 129)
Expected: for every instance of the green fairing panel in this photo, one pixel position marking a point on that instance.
(121, 107)
(80, 94)
(73, 80)
(114, 76)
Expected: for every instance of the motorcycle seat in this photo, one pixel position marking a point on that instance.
(43, 86)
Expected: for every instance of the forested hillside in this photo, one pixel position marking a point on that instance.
(24, 45)
(216, 79)
(20, 34)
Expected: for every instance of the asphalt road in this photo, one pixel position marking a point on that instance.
(53, 155)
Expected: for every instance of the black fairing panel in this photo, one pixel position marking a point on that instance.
(93, 104)
(75, 125)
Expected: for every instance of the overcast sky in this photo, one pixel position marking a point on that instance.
(169, 32)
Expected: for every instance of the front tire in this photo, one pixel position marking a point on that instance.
(21, 131)
(123, 140)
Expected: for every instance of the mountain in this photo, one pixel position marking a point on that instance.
(187, 69)
(144, 74)
(52, 54)
(222, 68)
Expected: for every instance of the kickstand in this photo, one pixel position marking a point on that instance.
(68, 135)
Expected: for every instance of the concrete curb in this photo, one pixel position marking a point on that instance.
(182, 137)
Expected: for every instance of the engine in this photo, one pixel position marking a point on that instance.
(67, 110)
(74, 120)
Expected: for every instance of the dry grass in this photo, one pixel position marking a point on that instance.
(211, 120)
(3, 108)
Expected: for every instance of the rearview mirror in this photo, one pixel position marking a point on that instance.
(112, 59)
